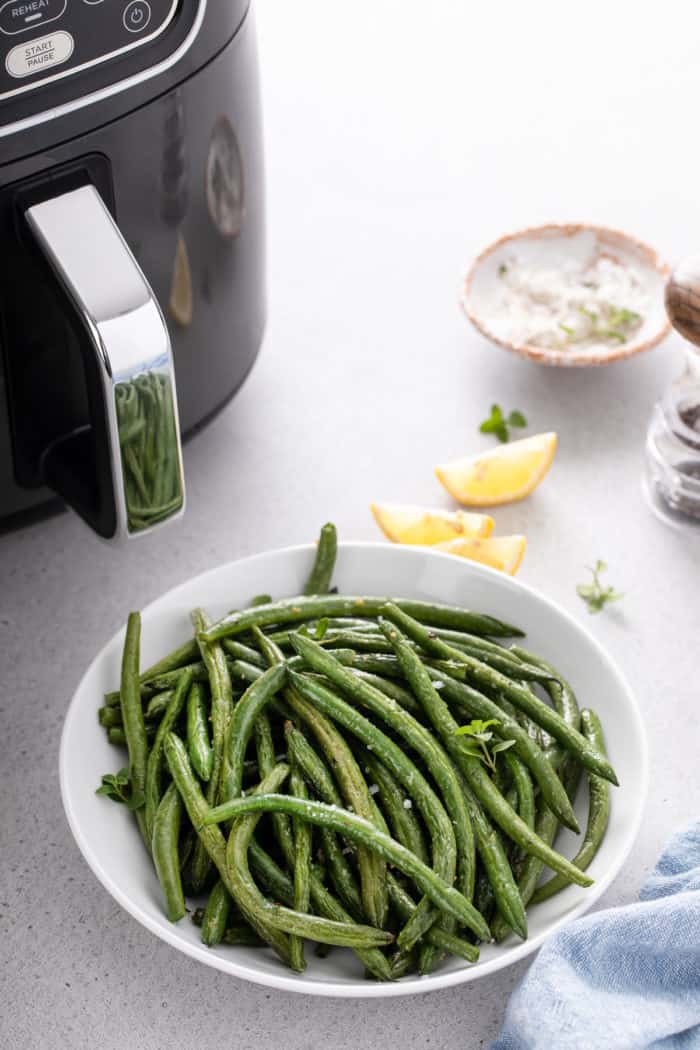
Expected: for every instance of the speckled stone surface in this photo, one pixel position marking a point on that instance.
(399, 142)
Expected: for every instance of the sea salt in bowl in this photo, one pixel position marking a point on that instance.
(571, 295)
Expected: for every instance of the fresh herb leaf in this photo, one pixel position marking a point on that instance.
(117, 787)
(594, 594)
(516, 419)
(321, 628)
(498, 424)
(479, 740)
(501, 745)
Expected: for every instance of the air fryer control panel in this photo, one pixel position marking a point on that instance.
(42, 41)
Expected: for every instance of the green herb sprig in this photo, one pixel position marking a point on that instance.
(498, 424)
(117, 786)
(480, 737)
(594, 594)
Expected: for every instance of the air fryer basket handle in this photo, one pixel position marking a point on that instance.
(135, 400)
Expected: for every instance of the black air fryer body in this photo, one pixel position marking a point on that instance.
(156, 106)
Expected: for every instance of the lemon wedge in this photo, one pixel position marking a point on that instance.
(503, 475)
(500, 552)
(422, 525)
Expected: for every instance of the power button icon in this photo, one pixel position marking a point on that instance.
(136, 16)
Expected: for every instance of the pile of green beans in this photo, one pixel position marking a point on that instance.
(296, 773)
(148, 443)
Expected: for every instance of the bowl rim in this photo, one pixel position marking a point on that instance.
(568, 358)
(333, 988)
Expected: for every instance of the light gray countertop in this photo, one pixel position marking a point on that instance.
(399, 142)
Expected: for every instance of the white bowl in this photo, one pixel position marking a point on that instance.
(550, 247)
(107, 835)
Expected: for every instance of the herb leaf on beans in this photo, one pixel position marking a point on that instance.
(117, 786)
(479, 743)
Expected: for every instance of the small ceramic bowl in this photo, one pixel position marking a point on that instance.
(550, 247)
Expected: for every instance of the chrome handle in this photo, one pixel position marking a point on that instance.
(127, 332)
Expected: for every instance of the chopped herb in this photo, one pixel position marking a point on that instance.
(498, 424)
(616, 323)
(479, 744)
(502, 270)
(594, 594)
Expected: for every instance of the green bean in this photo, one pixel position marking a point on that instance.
(445, 897)
(352, 783)
(370, 642)
(198, 746)
(184, 654)
(560, 691)
(109, 717)
(402, 820)
(237, 650)
(245, 714)
(260, 599)
(116, 736)
(132, 718)
(221, 710)
(389, 688)
(319, 580)
(481, 784)
(492, 800)
(216, 915)
(242, 671)
(423, 743)
(197, 808)
(157, 706)
(403, 963)
(303, 607)
(497, 867)
(275, 881)
(360, 641)
(241, 936)
(507, 728)
(522, 698)
(166, 828)
(439, 938)
(278, 882)
(155, 757)
(319, 777)
(315, 770)
(546, 825)
(417, 736)
(169, 679)
(598, 812)
(522, 784)
(251, 901)
(505, 663)
(302, 863)
(335, 624)
(394, 757)
(266, 761)
(546, 822)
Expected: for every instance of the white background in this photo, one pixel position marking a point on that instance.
(401, 138)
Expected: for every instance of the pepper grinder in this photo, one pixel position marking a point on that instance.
(673, 437)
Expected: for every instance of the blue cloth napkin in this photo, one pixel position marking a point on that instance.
(623, 979)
